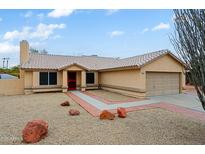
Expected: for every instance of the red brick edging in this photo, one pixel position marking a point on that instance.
(89, 108)
(167, 106)
(183, 110)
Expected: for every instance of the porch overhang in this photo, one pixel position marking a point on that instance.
(73, 64)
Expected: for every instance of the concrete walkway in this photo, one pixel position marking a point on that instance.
(189, 101)
(102, 106)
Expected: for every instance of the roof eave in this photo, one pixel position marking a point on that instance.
(119, 68)
(38, 68)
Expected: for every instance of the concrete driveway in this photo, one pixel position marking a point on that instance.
(185, 100)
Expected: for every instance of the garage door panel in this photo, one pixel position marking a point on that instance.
(162, 83)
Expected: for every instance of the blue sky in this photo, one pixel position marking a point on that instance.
(110, 33)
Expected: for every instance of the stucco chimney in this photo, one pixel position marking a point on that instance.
(24, 51)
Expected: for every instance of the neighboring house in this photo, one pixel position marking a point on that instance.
(7, 76)
(155, 73)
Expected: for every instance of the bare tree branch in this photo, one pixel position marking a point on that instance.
(189, 42)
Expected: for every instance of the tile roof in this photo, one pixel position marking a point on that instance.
(47, 61)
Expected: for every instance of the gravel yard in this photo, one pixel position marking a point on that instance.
(153, 126)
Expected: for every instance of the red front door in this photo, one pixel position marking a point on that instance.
(71, 80)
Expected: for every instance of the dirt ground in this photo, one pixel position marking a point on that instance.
(152, 126)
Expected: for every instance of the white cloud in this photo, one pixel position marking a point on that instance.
(116, 33)
(145, 30)
(41, 31)
(1, 19)
(9, 36)
(112, 11)
(161, 26)
(60, 13)
(28, 14)
(6, 47)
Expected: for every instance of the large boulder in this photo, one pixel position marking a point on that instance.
(66, 103)
(121, 112)
(34, 131)
(107, 115)
(74, 112)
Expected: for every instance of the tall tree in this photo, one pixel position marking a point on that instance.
(189, 42)
(44, 51)
(34, 50)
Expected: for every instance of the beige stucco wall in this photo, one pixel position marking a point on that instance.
(96, 78)
(28, 79)
(124, 78)
(125, 92)
(35, 79)
(127, 82)
(11, 87)
(183, 78)
(74, 68)
(21, 73)
(60, 78)
(78, 79)
(24, 51)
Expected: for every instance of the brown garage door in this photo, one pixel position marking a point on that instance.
(162, 83)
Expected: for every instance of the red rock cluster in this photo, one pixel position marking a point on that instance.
(34, 131)
(74, 112)
(107, 115)
(66, 103)
(121, 112)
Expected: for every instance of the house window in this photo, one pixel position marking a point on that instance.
(43, 78)
(48, 78)
(52, 78)
(90, 78)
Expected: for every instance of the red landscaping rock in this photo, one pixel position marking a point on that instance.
(121, 112)
(66, 103)
(106, 115)
(74, 112)
(34, 131)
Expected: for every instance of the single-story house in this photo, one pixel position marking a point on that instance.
(155, 73)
